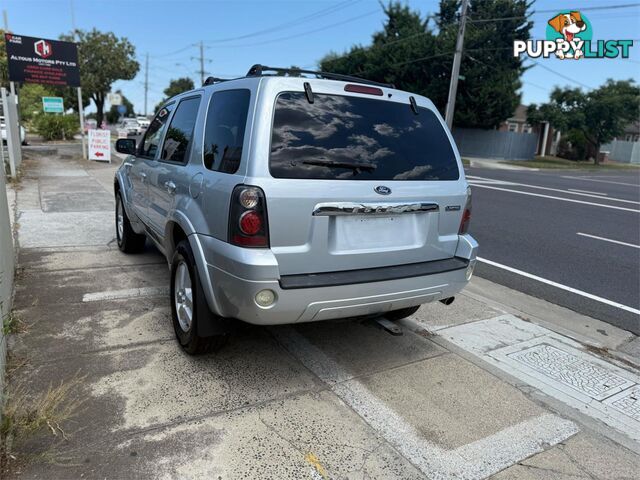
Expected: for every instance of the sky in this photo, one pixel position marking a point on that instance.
(238, 34)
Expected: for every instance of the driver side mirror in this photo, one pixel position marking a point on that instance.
(126, 145)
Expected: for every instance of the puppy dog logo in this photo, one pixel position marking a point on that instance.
(569, 28)
(569, 35)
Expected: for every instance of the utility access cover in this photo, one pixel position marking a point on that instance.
(578, 373)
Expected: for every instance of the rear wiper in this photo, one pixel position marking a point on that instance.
(353, 166)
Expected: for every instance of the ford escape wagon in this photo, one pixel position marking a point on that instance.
(296, 196)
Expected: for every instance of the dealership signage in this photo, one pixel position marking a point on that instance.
(100, 145)
(38, 60)
(53, 104)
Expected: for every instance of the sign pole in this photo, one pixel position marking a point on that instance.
(81, 112)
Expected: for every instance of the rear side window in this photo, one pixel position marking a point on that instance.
(180, 132)
(154, 133)
(224, 131)
(354, 138)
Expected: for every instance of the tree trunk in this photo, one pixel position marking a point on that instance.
(597, 156)
(99, 101)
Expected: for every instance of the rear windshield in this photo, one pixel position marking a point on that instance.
(353, 138)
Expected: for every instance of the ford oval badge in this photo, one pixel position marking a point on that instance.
(382, 190)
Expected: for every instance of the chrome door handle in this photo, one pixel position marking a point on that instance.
(170, 186)
(128, 165)
(143, 176)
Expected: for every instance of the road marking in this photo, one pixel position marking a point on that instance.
(587, 191)
(556, 365)
(128, 293)
(571, 200)
(561, 286)
(476, 460)
(597, 195)
(601, 181)
(608, 240)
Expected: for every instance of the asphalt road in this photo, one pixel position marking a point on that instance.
(562, 226)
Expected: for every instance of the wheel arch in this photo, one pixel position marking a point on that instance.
(179, 228)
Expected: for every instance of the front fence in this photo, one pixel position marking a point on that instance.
(621, 151)
(495, 144)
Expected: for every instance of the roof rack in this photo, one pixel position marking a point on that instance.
(260, 70)
(212, 80)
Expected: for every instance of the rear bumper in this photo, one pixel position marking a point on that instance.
(238, 274)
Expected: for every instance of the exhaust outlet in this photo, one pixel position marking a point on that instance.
(448, 301)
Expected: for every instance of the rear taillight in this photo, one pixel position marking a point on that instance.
(248, 217)
(466, 216)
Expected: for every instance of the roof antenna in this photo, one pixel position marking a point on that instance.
(308, 92)
(414, 105)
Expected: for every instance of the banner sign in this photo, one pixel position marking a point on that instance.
(37, 60)
(100, 145)
(52, 104)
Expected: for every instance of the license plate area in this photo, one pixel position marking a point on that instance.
(372, 233)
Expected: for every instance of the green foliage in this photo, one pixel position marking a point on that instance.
(104, 58)
(4, 69)
(70, 97)
(52, 126)
(573, 145)
(417, 57)
(178, 86)
(113, 115)
(175, 87)
(597, 116)
(31, 100)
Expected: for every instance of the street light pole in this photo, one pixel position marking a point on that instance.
(146, 82)
(455, 70)
(201, 63)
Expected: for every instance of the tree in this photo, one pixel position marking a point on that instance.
(599, 115)
(391, 56)
(415, 57)
(113, 115)
(4, 68)
(489, 92)
(178, 86)
(175, 87)
(70, 97)
(31, 100)
(104, 58)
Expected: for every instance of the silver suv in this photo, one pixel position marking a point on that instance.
(293, 196)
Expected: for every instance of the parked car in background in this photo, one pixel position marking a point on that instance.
(285, 199)
(23, 132)
(144, 122)
(131, 126)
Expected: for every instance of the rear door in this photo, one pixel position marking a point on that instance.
(169, 173)
(360, 181)
(143, 165)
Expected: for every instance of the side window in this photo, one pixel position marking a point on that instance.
(154, 133)
(224, 131)
(180, 132)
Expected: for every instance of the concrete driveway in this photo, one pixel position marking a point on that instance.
(329, 400)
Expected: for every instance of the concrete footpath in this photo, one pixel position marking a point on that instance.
(497, 385)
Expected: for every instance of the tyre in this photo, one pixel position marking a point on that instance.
(401, 313)
(128, 240)
(188, 304)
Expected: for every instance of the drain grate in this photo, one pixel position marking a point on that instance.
(627, 402)
(587, 377)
